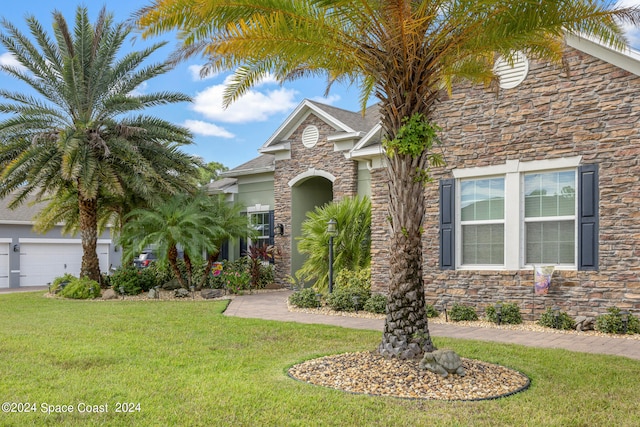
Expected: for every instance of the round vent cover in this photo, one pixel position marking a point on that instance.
(510, 75)
(310, 136)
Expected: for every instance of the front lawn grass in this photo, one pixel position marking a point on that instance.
(186, 364)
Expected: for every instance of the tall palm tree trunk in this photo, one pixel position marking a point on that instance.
(406, 332)
(89, 234)
(172, 257)
(213, 256)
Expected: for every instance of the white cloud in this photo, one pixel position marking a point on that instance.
(207, 129)
(140, 89)
(9, 60)
(253, 106)
(195, 71)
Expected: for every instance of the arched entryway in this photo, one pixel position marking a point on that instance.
(308, 191)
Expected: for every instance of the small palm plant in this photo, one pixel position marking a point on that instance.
(352, 246)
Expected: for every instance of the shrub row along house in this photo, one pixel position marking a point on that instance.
(543, 171)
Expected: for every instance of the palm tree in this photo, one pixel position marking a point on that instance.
(71, 142)
(197, 224)
(402, 52)
(229, 223)
(352, 243)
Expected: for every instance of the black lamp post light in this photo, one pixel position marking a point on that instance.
(356, 302)
(332, 230)
(625, 321)
(499, 312)
(556, 317)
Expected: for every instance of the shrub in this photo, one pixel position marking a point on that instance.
(377, 303)
(304, 298)
(510, 314)
(459, 312)
(431, 311)
(83, 288)
(133, 281)
(235, 281)
(66, 279)
(354, 281)
(612, 323)
(343, 299)
(564, 321)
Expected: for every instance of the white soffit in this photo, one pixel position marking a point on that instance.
(511, 74)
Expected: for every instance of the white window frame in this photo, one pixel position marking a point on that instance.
(513, 172)
(257, 209)
(573, 218)
(461, 223)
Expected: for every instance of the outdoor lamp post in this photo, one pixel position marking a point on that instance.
(122, 291)
(157, 288)
(331, 231)
(356, 301)
(499, 312)
(625, 321)
(556, 317)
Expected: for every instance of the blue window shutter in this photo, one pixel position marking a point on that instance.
(447, 224)
(588, 223)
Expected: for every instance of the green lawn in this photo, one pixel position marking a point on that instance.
(184, 363)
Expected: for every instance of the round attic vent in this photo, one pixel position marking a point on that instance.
(510, 75)
(310, 136)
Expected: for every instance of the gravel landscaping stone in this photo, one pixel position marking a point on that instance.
(370, 373)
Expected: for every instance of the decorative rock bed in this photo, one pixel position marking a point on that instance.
(370, 373)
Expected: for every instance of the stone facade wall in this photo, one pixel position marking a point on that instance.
(380, 231)
(321, 157)
(593, 112)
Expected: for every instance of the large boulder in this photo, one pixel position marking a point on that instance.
(109, 294)
(171, 285)
(211, 293)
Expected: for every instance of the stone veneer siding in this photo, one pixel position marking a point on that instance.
(594, 113)
(320, 157)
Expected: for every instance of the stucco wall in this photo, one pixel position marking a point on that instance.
(594, 113)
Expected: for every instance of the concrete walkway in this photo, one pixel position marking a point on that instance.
(273, 306)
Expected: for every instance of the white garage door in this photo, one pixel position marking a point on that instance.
(40, 263)
(4, 265)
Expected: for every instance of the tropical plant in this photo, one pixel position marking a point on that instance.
(197, 223)
(178, 221)
(229, 223)
(72, 142)
(352, 246)
(403, 53)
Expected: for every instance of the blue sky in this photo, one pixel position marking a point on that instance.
(231, 136)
